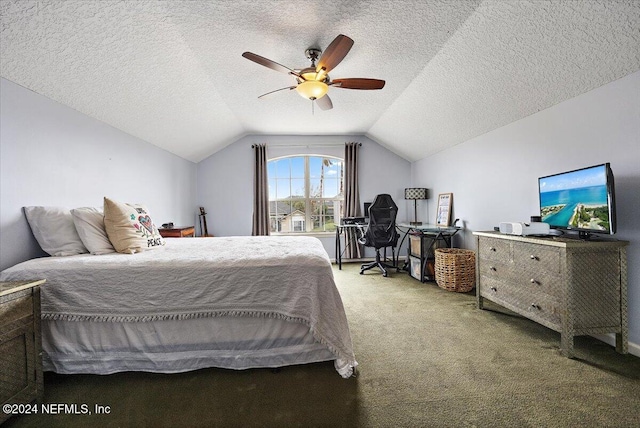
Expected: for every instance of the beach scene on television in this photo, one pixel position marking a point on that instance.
(576, 200)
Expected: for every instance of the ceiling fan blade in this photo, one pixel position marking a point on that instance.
(324, 103)
(335, 52)
(268, 63)
(358, 83)
(277, 90)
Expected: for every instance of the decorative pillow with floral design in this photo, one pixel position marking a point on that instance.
(130, 227)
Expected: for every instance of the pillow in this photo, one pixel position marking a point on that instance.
(54, 230)
(89, 223)
(130, 228)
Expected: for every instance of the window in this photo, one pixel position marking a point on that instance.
(305, 193)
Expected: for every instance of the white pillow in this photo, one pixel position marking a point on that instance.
(89, 223)
(130, 228)
(54, 230)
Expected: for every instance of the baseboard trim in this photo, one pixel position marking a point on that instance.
(634, 348)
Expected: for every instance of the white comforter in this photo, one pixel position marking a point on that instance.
(288, 278)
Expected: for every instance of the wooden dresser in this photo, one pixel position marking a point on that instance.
(21, 378)
(572, 286)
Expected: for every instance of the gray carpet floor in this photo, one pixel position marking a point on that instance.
(428, 358)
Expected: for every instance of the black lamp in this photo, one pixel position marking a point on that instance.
(415, 193)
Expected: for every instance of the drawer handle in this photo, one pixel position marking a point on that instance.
(534, 306)
(492, 248)
(534, 281)
(494, 289)
(493, 268)
(534, 257)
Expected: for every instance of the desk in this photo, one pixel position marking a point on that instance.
(354, 227)
(428, 234)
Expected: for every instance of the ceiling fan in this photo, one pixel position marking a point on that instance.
(314, 82)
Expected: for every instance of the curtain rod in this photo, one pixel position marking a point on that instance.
(305, 145)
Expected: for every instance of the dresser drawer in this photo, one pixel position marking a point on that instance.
(21, 378)
(540, 307)
(17, 348)
(494, 249)
(16, 312)
(534, 257)
(495, 269)
(537, 280)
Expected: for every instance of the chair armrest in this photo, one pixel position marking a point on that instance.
(361, 230)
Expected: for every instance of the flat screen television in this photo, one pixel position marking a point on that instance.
(582, 200)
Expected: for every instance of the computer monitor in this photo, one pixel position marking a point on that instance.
(366, 209)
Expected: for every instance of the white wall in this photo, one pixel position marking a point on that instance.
(225, 179)
(493, 177)
(52, 155)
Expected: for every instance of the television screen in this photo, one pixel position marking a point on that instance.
(582, 199)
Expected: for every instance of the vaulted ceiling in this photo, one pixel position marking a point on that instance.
(171, 72)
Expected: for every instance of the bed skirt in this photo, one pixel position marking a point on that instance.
(168, 346)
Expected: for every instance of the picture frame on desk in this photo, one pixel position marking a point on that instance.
(443, 216)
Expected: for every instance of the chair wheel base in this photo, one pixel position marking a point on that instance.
(377, 264)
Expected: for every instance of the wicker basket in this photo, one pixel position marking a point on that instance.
(455, 269)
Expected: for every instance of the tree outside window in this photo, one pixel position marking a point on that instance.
(305, 193)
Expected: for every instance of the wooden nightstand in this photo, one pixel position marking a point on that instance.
(178, 232)
(21, 380)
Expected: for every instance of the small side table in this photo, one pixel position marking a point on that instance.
(21, 379)
(423, 240)
(178, 232)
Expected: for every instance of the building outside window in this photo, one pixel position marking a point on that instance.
(305, 193)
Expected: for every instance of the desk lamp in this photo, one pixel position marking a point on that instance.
(415, 193)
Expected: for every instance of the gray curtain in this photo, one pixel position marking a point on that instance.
(260, 191)
(351, 206)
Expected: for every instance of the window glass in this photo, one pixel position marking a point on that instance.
(305, 193)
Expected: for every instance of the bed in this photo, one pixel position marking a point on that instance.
(227, 302)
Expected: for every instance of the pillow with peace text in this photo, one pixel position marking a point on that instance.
(130, 227)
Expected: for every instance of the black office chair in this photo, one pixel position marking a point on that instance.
(381, 231)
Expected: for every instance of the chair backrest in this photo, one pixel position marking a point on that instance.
(381, 231)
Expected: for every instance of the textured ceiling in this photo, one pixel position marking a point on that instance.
(171, 72)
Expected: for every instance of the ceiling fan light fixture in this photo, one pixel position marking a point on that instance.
(322, 75)
(312, 89)
(313, 82)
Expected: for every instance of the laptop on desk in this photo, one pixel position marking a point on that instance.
(355, 220)
(362, 220)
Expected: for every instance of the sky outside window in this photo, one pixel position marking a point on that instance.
(310, 186)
